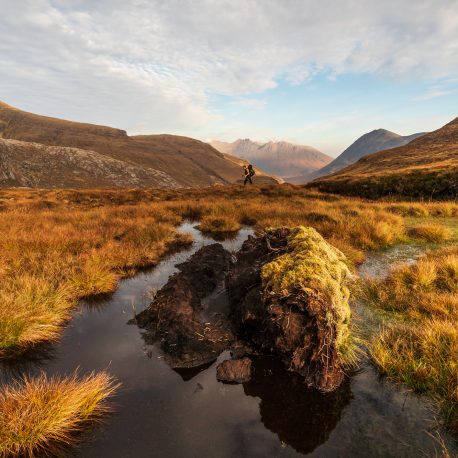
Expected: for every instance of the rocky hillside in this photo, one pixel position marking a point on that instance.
(427, 167)
(278, 158)
(39, 166)
(153, 160)
(369, 143)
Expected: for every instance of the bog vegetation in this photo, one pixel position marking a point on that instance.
(60, 245)
(44, 414)
(419, 343)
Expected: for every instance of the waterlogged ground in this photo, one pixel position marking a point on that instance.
(163, 413)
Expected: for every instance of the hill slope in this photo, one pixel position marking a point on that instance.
(369, 143)
(35, 165)
(187, 161)
(426, 167)
(278, 158)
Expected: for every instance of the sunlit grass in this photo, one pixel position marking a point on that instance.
(50, 259)
(43, 414)
(419, 343)
(434, 233)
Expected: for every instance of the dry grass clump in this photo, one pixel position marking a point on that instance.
(427, 288)
(433, 233)
(419, 343)
(43, 414)
(219, 224)
(49, 259)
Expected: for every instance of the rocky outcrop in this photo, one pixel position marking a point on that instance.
(35, 165)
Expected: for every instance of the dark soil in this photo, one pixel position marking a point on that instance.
(174, 315)
(234, 370)
(292, 328)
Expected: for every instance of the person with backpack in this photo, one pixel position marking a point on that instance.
(248, 173)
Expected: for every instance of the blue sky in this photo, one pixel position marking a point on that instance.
(317, 73)
(330, 113)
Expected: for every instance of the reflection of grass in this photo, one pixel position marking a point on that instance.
(419, 344)
(43, 414)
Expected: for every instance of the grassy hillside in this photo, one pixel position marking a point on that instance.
(425, 168)
(187, 161)
(369, 143)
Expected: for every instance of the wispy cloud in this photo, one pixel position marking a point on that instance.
(255, 104)
(431, 94)
(156, 63)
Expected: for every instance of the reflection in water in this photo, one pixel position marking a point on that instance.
(162, 413)
(302, 418)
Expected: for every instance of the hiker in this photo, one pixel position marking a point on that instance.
(248, 172)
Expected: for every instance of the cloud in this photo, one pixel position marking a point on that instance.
(432, 94)
(254, 104)
(153, 65)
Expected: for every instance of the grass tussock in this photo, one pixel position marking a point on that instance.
(50, 259)
(419, 343)
(60, 245)
(434, 233)
(216, 224)
(44, 414)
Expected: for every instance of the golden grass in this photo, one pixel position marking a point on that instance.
(434, 233)
(49, 259)
(419, 343)
(60, 245)
(44, 414)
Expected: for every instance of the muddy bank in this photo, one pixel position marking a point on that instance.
(287, 297)
(173, 318)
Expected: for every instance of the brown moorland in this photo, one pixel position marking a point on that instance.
(60, 245)
(425, 168)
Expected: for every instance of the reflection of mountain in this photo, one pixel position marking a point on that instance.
(301, 417)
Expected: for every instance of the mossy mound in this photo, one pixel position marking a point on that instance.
(317, 271)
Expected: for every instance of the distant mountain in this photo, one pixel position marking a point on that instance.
(278, 158)
(426, 167)
(91, 156)
(369, 143)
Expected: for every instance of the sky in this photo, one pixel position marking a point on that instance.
(320, 73)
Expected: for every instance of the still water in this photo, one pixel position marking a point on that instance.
(162, 413)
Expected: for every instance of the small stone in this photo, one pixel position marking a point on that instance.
(234, 370)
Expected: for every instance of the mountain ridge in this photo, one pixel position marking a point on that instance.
(280, 158)
(187, 161)
(370, 142)
(426, 167)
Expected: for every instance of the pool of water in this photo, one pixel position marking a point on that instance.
(163, 413)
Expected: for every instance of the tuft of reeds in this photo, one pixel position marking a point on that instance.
(45, 414)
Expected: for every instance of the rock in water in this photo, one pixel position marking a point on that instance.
(234, 370)
(289, 296)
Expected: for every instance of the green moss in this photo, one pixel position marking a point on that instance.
(316, 270)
